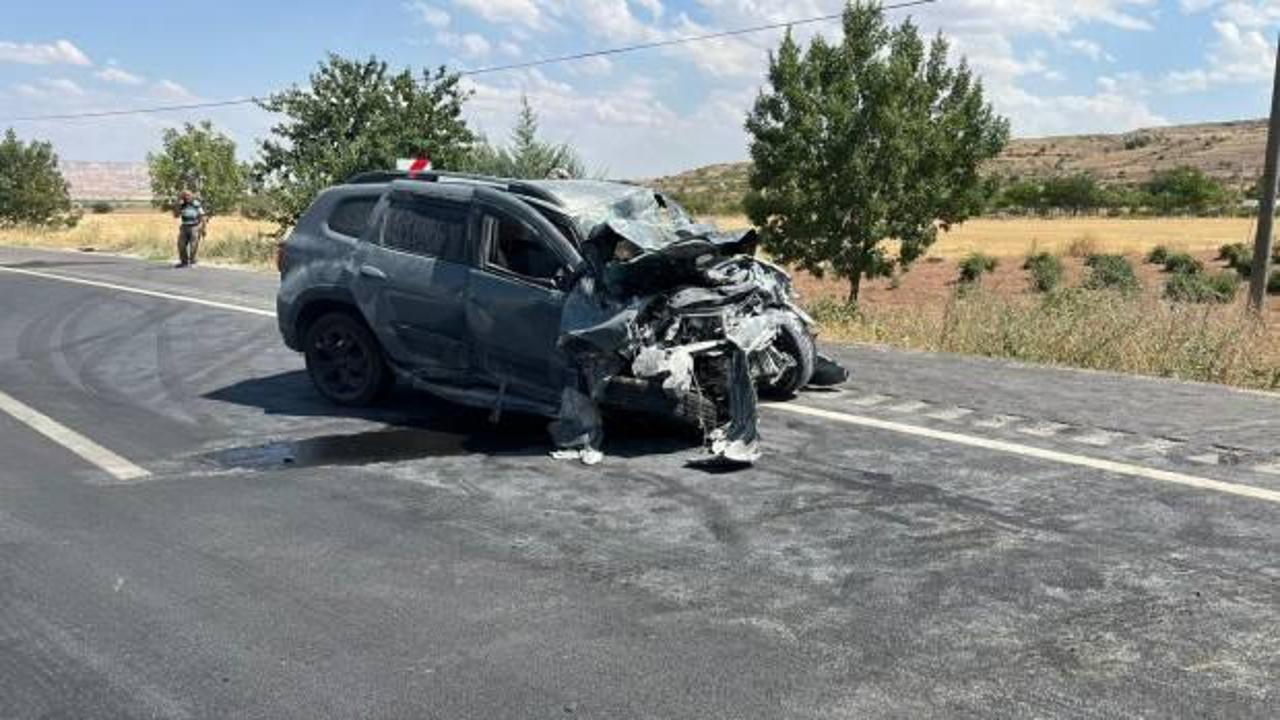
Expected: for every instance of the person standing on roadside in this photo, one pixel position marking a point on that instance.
(191, 217)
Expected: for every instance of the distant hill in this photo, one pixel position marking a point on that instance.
(1229, 151)
(107, 180)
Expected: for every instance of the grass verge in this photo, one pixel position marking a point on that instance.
(1093, 329)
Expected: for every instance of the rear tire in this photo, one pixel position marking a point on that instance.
(344, 360)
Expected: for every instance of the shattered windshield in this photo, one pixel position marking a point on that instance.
(648, 219)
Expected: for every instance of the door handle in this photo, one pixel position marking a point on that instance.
(370, 271)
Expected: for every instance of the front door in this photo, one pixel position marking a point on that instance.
(514, 307)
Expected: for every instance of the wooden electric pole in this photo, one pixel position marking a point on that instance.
(1267, 203)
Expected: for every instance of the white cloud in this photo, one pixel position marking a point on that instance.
(1089, 49)
(51, 88)
(116, 75)
(1238, 56)
(427, 14)
(525, 12)
(172, 91)
(469, 44)
(61, 52)
(509, 48)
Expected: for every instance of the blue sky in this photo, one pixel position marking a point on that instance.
(1051, 66)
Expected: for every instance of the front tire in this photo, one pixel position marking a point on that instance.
(344, 360)
(794, 341)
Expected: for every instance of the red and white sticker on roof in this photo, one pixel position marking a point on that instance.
(414, 165)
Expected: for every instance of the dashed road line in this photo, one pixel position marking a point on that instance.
(1110, 466)
(140, 291)
(1044, 429)
(951, 414)
(1098, 438)
(106, 460)
(996, 422)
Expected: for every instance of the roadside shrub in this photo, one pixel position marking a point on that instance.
(1219, 287)
(257, 206)
(1242, 264)
(1110, 272)
(1158, 255)
(1046, 271)
(101, 207)
(1232, 252)
(1183, 263)
(1083, 246)
(975, 265)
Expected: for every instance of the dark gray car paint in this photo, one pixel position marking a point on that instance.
(483, 335)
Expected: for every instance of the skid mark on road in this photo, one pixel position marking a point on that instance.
(1110, 466)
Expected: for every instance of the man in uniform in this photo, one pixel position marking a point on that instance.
(192, 218)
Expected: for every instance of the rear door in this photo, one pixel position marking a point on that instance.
(412, 281)
(515, 300)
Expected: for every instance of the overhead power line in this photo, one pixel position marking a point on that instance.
(685, 40)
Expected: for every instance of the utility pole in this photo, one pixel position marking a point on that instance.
(1267, 203)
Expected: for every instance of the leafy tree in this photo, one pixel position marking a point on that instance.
(1184, 189)
(32, 189)
(358, 116)
(1073, 193)
(527, 156)
(200, 159)
(1022, 195)
(873, 138)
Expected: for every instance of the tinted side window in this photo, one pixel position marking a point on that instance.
(427, 228)
(350, 215)
(517, 248)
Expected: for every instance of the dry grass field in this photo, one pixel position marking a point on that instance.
(1139, 333)
(1015, 238)
(153, 235)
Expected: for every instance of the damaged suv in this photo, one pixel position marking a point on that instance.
(563, 298)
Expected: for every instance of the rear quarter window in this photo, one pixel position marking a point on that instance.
(350, 216)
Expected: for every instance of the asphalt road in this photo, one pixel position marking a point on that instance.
(942, 537)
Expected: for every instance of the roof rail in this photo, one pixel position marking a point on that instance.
(518, 187)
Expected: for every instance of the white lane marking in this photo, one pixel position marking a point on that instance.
(1044, 429)
(140, 291)
(951, 414)
(1209, 458)
(1098, 438)
(113, 464)
(1065, 458)
(995, 422)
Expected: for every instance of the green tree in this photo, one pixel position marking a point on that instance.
(874, 138)
(527, 156)
(200, 159)
(32, 189)
(1021, 195)
(358, 116)
(1184, 189)
(1074, 193)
